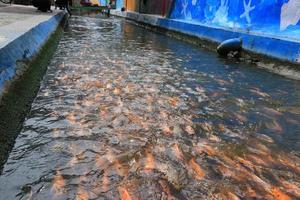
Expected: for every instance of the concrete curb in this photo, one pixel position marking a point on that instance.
(25, 47)
(279, 48)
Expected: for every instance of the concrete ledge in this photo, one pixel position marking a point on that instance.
(22, 39)
(279, 48)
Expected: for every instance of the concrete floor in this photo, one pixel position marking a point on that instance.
(16, 20)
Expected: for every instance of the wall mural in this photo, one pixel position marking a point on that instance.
(260, 15)
(290, 14)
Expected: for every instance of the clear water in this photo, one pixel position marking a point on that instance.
(125, 113)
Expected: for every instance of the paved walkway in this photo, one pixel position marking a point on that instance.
(15, 20)
(23, 30)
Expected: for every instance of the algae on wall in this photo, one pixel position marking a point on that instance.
(16, 102)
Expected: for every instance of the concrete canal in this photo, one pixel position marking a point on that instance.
(125, 113)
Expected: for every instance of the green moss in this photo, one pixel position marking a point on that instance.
(16, 102)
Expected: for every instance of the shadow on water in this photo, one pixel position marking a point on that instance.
(124, 113)
(20, 93)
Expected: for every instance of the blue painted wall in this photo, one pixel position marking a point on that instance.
(103, 2)
(119, 4)
(277, 17)
(25, 47)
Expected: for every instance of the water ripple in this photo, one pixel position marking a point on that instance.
(124, 113)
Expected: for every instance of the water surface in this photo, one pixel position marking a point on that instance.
(125, 113)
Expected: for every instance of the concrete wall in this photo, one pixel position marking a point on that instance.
(275, 17)
(159, 7)
(132, 5)
(267, 27)
(24, 46)
(280, 18)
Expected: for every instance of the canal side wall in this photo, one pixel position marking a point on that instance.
(279, 48)
(28, 52)
(269, 27)
(22, 45)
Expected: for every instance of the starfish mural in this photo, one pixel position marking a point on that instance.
(222, 13)
(185, 3)
(248, 9)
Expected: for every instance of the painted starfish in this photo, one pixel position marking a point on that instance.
(185, 3)
(248, 9)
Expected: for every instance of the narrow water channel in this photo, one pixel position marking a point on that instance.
(125, 113)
